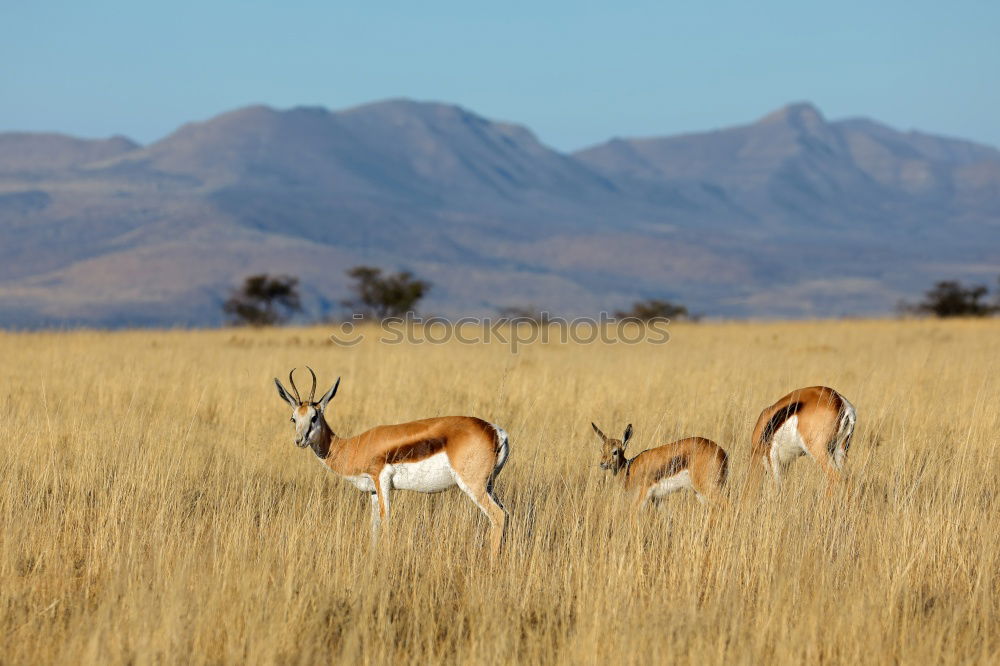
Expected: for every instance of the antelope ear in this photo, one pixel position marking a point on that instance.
(598, 431)
(284, 394)
(627, 436)
(328, 396)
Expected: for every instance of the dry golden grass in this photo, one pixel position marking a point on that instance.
(154, 509)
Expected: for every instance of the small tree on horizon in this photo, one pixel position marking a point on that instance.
(950, 298)
(263, 300)
(379, 296)
(654, 308)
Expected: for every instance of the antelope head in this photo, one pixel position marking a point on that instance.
(307, 415)
(613, 450)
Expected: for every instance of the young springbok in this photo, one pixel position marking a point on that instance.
(428, 456)
(815, 421)
(695, 463)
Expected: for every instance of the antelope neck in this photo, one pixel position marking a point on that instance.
(321, 445)
(623, 468)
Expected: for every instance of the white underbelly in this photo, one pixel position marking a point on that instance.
(787, 443)
(430, 475)
(671, 484)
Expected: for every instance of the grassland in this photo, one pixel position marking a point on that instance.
(154, 510)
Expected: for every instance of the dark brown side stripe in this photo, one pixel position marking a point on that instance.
(673, 466)
(778, 419)
(414, 451)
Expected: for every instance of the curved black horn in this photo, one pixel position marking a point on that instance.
(291, 381)
(312, 391)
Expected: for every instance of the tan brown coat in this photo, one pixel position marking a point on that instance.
(816, 421)
(429, 455)
(693, 463)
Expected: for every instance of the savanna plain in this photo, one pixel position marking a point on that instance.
(153, 508)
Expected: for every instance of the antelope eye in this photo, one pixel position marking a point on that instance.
(315, 416)
(292, 419)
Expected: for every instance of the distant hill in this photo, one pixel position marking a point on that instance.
(794, 169)
(792, 215)
(32, 154)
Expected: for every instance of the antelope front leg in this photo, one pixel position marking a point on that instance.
(383, 486)
(376, 517)
(638, 504)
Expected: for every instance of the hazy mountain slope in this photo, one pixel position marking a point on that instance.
(792, 215)
(28, 153)
(795, 170)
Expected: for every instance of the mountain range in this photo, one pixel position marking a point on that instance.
(792, 215)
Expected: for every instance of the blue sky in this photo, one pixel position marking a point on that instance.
(575, 72)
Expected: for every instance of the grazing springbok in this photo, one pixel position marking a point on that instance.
(428, 456)
(815, 421)
(695, 463)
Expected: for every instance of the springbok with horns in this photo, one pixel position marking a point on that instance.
(694, 463)
(815, 421)
(428, 456)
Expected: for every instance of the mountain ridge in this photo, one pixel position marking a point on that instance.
(789, 215)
